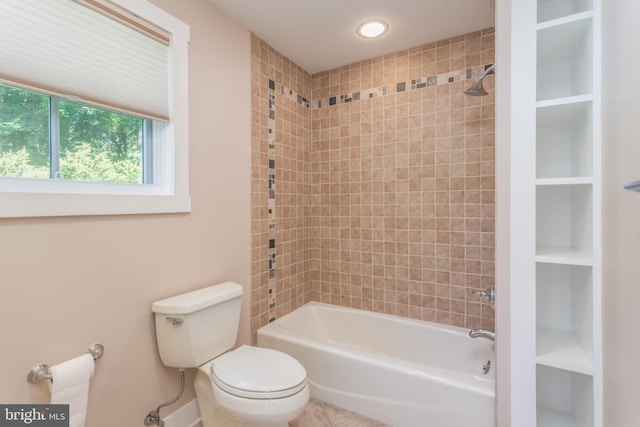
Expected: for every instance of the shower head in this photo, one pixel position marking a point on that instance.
(476, 88)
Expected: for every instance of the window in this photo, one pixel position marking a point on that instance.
(48, 137)
(93, 108)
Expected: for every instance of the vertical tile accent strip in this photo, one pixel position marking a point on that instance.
(271, 156)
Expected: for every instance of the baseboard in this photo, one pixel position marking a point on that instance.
(187, 416)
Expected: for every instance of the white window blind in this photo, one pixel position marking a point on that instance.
(73, 51)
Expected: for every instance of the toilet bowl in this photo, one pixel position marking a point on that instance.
(251, 386)
(245, 387)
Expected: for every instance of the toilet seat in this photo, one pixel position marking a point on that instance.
(258, 373)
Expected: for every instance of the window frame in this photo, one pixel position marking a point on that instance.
(169, 192)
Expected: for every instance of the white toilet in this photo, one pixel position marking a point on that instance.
(249, 386)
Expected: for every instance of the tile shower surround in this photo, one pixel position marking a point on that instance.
(373, 184)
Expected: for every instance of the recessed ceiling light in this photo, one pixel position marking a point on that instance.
(372, 29)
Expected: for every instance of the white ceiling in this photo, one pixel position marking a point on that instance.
(320, 35)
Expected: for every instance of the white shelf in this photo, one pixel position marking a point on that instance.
(550, 182)
(561, 349)
(564, 138)
(556, 9)
(564, 345)
(564, 398)
(564, 226)
(565, 59)
(551, 418)
(565, 100)
(567, 220)
(564, 20)
(563, 255)
(564, 317)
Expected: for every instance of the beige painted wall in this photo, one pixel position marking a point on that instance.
(69, 282)
(621, 221)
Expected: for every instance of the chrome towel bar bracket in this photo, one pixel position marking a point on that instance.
(633, 186)
(41, 371)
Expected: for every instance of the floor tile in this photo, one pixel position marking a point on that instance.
(322, 414)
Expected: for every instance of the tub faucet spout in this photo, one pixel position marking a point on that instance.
(478, 333)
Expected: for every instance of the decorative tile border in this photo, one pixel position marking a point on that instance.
(436, 80)
(271, 155)
(422, 82)
(293, 96)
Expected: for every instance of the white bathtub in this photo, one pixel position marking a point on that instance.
(403, 372)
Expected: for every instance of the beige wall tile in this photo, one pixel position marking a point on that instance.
(383, 203)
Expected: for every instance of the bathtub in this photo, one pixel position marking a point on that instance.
(403, 372)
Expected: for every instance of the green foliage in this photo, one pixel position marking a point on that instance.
(118, 135)
(87, 165)
(17, 164)
(95, 144)
(81, 165)
(24, 123)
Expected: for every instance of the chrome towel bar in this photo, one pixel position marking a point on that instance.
(41, 371)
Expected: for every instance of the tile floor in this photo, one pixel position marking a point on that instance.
(322, 414)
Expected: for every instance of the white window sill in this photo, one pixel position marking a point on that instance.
(14, 205)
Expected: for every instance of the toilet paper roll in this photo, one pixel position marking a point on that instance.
(69, 384)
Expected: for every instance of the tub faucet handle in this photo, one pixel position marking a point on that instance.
(489, 293)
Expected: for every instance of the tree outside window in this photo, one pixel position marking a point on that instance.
(47, 137)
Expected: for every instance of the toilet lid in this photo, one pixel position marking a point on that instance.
(258, 373)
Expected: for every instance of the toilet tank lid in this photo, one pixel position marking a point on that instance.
(193, 301)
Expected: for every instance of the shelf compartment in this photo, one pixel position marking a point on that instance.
(564, 307)
(551, 418)
(565, 59)
(564, 226)
(558, 348)
(564, 139)
(565, 399)
(555, 9)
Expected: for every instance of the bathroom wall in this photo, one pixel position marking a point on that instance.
(381, 193)
(621, 227)
(403, 188)
(69, 282)
(281, 184)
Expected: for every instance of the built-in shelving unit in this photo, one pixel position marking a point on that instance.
(568, 284)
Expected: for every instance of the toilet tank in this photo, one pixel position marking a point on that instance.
(197, 326)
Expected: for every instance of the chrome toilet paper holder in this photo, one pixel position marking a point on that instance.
(41, 371)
